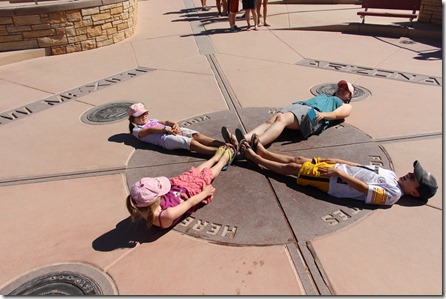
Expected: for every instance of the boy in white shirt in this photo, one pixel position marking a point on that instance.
(344, 179)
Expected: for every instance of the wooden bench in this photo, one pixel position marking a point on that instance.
(411, 5)
(36, 1)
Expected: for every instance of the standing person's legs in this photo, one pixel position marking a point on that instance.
(203, 4)
(233, 9)
(218, 4)
(255, 18)
(265, 12)
(258, 4)
(225, 7)
(247, 17)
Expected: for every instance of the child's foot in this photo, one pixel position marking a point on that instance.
(247, 152)
(248, 28)
(220, 151)
(256, 28)
(266, 24)
(254, 142)
(231, 151)
(228, 137)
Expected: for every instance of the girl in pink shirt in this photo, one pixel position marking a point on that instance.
(168, 134)
(162, 201)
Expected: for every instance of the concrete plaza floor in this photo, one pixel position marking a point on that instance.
(63, 181)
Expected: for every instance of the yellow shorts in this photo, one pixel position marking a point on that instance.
(310, 176)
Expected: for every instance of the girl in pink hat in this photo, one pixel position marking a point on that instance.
(168, 134)
(162, 201)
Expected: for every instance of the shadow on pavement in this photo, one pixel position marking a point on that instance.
(127, 235)
(129, 140)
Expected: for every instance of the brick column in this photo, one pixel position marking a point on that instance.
(431, 11)
(68, 29)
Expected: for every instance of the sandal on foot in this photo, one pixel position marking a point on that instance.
(243, 148)
(231, 156)
(227, 136)
(221, 150)
(254, 142)
(239, 135)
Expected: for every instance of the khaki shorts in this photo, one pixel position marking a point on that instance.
(309, 175)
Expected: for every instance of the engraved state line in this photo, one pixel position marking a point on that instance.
(41, 105)
(372, 72)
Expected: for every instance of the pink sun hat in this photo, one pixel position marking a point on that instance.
(136, 110)
(145, 191)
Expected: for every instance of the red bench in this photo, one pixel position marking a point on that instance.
(411, 5)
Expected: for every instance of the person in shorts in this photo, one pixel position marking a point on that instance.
(233, 10)
(250, 7)
(168, 134)
(328, 110)
(343, 179)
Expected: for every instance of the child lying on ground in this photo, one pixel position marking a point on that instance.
(168, 134)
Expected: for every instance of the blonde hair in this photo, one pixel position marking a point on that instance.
(136, 212)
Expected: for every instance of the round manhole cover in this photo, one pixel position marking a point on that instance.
(360, 93)
(106, 114)
(254, 206)
(62, 279)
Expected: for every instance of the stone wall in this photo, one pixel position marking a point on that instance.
(67, 27)
(431, 12)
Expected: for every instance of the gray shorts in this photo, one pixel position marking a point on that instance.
(298, 110)
(306, 127)
(172, 142)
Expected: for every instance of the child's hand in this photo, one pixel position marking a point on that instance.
(208, 192)
(169, 131)
(327, 171)
(176, 128)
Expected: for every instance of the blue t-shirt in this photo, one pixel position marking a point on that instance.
(323, 103)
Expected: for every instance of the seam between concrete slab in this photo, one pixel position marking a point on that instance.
(62, 176)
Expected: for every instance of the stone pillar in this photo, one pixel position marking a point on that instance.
(431, 11)
(66, 28)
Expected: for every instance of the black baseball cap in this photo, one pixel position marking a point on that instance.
(428, 183)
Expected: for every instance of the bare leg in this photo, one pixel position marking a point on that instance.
(206, 140)
(265, 12)
(201, 148)
(258, 4)
(255, 18)
(247, 17)
(268, 155)
(218, 4)
(231, 19)
(290, 168)
(280, 121)
(216, 169)
(219, 153)
(260, 129)
(225, 6)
